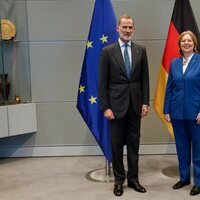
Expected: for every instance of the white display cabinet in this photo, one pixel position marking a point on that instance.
(18, 119)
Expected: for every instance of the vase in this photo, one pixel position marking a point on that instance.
(4, 86)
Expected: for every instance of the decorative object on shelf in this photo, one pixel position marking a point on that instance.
(17, 99)
(4, 86)
(8, 29)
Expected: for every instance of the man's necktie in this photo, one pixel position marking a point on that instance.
(127, 61)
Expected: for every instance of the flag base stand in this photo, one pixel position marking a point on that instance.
(171, 171)
(101, 175)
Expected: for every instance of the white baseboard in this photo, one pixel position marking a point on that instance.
(39, 151)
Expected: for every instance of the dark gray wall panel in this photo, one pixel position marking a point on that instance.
(60, 123)
(59, 19)
(153, 130)
(55, 69)
(152, 17)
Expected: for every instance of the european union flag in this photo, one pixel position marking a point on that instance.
(102, 32)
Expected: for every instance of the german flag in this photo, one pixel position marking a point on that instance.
(182, 19)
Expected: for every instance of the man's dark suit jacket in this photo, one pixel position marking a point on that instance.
(115, 88)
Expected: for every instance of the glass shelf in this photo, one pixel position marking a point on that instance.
(15, 83)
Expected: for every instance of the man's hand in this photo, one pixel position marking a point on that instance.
(109, 114)
(145, 110)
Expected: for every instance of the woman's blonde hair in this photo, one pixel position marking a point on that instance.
(194, 39)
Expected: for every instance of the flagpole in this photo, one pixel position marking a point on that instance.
(108, 168)
(103, 175)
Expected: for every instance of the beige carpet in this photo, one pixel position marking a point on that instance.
(64, 178)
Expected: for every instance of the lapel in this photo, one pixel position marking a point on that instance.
(179, 66)
(191, 63)
(119, 58)
(134, 51)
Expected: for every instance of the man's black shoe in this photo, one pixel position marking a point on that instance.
(180, 184)
(195, 190)
(118, 190)
(137, 187)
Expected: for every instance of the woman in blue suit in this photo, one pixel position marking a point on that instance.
(182, 109)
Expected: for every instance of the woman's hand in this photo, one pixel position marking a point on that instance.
(198, 118)
(167, 118)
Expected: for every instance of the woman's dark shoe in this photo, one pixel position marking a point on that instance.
(118, 190)
(195, 190)
(180, 184)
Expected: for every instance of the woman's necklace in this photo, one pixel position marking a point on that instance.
(185, 61)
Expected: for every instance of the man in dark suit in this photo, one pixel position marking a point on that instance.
(124, 99)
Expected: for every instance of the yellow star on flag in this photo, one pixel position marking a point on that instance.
(81, 88)
(104, 38)
(89, 44)
(93, 100)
